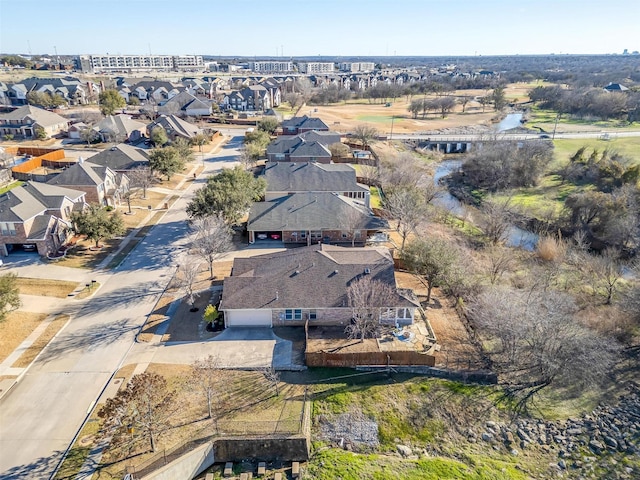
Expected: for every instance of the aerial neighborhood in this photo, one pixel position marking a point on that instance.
(319, 268)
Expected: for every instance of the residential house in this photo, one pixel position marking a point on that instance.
(120, 128)
(75, 130)
(24, 122)
(251, 98)
(101, 184)
(308, 286)
(17, 94)
(37, 214)
(121, 158)
(186, 104)
(175, 127)
(312, 217)
(285, 178)
(297, 149)
(297, 125)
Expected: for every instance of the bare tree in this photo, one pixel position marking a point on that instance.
(351, 221)
(212, 238)
(185, 280)
(140, 412)
(367, 298)
(605, 272)
(463, 100)
(207, 378)
(88, 134)
(497, 220)
(407, 207)
(405, 170)
(273, 377)
(432, 259)
(294, 99)
(247, 157)
(142, 177)
(501, 260)
(539, 342)
(365, 135)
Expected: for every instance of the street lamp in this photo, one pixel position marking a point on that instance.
(391, 133)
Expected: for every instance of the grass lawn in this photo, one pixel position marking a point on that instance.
(12, 185)
(36, 347)
(83, 255)
(546, 120)
(334, 463)
(626, 146)
(549, 196)
(376, 201)
(45, 287)
(16, 327)
(245, 403)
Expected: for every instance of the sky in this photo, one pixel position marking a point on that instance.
(289, 28)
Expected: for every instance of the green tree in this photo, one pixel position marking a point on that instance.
(159, 136)
(498, 98)
(139, 413)
(229, 193)
(269, 125)
(9, 298)
(97, 223)
(210, 314)
(200, 140)
(111, 101)
(134, 101)
(183, 147)
(40, 133)
(166, 161)
(432, 259)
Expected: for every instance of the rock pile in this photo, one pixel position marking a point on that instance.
(606, 430)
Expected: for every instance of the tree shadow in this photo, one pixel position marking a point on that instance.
(87, 339)
(42, 467)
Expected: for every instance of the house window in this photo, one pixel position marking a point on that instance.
(8, 228)
(345, 234)
(293, 314)
(303, 234)
(313, 314)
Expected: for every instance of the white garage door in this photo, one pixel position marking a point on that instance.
(248, 318)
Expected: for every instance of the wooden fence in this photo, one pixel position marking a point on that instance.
(354, 359)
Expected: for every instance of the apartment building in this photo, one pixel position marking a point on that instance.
(269, 66)
(316, 67)
(110, 63)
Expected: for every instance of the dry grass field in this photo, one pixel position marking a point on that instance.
(345, 117)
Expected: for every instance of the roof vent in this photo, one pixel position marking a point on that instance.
(367, 271)
(335, 272)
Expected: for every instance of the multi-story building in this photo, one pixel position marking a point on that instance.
(316, 67)
(109, 63)
(357, 67)
(269, 66)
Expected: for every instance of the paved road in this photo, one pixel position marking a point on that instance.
(41, 415)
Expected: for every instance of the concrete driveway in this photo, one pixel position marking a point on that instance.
(235, 347)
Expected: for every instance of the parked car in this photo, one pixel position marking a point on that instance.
(29, 247)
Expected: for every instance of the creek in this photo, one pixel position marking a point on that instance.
(516, 236)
